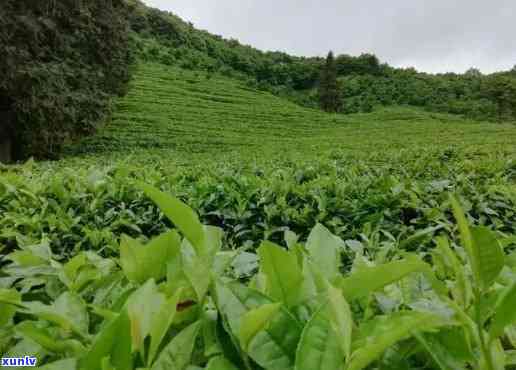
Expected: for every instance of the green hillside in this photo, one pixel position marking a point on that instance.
(181, 111)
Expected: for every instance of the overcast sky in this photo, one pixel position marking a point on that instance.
(430, 35)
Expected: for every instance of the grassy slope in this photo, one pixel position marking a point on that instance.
(185, 112)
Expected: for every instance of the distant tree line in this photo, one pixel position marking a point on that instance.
(60, 61)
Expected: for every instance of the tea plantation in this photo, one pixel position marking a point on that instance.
(210, 225)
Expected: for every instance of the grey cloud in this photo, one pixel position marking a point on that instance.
(430, 35)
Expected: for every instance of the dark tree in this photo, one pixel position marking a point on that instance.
(330, 98)
(60, 61)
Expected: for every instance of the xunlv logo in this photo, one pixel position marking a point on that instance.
(29, 361)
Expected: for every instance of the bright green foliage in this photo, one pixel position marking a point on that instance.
(177, 112)
(177, 354)
(341, 319)
(282, 273)
(380, 313)
(505, 314)
(384, 331)
(319, 346)
(485, 253)
(161, 324)
(61, 365)
(220, 363)
(114, 342)
(324, 250)
(141, 263)
(370, 279)
(183, 217)
(272, 347)
(255, 320)
(68, 311)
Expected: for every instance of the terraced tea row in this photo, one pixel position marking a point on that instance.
(172, 109)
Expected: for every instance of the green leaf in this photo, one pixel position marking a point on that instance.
(371, 279)
(462, 286)
(114, 340)
(196, 270)
(213, 240)
(490, 253)
(161, 323)
(510, 358)
(141, 263)
(142, 307)
(8, 299)
(497, 354)
(284, 277)
(212, 345)
(177, 354)
(440, 354)
(28, 329)
(341, 319)
(68, 311)
(484, 251)
(319, 347)
(414, 241)
(273, 347)
(384, 331)
(180, 214)
(291, 239)
(505, 312)
(324, 249)
(106, 364)
(68, 364)
(220, 363)
(255, 320)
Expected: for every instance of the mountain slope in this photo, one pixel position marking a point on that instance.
(172, 109)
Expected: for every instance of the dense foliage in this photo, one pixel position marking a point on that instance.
(60, 62)
(490, 97)
(187, 299)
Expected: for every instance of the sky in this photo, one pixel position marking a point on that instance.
(430, 35)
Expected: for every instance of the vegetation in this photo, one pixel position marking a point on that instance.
(213, 223)
(329, 90)
(366, 83)
(282, 308)
(331, 199)
(60, 62)
(73, 75)
(181, 112)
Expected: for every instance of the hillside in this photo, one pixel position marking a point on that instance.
(184, 111)
(366, 82)
(73, 84)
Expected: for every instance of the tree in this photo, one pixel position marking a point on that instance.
(61, 61)
(502, 91)
(329, 90)
(473, 72)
